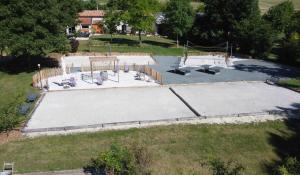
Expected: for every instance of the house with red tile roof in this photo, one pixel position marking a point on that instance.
(91, 21)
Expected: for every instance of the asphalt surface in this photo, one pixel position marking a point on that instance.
(245, 70)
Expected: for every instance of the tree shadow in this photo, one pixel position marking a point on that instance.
(278, 71)
(286, 143)
(132, 42)
(16, 65)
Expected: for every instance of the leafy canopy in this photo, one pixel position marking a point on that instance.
(179, 16)
(38, 27)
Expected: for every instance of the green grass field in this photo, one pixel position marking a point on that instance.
(294, 83)
(180, 149)
(13, 85)
(123, 43)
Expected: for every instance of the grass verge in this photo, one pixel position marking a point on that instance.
(124, 43)
(177, 149)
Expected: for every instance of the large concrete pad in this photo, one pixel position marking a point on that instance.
(237, 98)
(92, 107)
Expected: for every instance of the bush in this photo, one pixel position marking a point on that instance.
(290, 166)
(290, 51)
(8, 118)
(115, 161)
(74, 45)
(118, 160)
(219, 167)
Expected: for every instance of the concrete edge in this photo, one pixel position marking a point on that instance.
(271, 116)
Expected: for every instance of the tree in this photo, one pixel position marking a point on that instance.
(281, 17)
(38, 27)
(290, 166)
(254, 36)
(112, 21)
(223, 15)
(140, 15)
(179, 17)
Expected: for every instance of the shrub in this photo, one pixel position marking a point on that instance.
(219, 167)
(290, 50)
(115, 161)
(8, 118)
(74, 45)
(290, 166)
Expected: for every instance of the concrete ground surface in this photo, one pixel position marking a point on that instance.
(242, 70)
(90, 107)
(233, 98)
(65, 172)
(125, 80)
(117, 105)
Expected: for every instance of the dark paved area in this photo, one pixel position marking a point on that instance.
(245, 70)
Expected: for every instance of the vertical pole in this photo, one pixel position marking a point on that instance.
(41, 84)
(177, 41)
(231, 51)
(227, 46)
(92, 72)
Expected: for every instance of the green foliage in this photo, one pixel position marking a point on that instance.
(179, 16)
(38, 27)
(90, 4)
(115, 161)
(112, 20)
(74, 45)
(290, 49)
(222, 15)
(219, 167)
(281, 16)
(9, 118)
(254, 36)
(140, 15)
(290, 166)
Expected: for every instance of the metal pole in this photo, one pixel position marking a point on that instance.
(231, 51)
(41, 83)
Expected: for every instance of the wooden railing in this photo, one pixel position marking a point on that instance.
(41, 76)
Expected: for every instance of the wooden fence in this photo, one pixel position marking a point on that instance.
(44, 74)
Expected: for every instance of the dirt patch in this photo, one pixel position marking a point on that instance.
(12, 136)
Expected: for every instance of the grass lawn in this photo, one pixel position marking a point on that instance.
(177, 149)
(12, 85)
(294, 83)
(124, 43)
(266, 4)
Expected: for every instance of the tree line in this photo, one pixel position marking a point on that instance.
(29, 28)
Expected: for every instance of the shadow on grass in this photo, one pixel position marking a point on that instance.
(16, 65)
(286, 144)
(132, 42)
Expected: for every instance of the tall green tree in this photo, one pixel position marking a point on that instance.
(223, 15)
(38, 27)
(254, 37)
(141, 15)
(281, 17)
(112, 21)
(179, 17)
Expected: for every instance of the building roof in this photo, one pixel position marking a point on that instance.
(85, 21)
(92, 13)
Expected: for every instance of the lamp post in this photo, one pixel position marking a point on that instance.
(41, 84)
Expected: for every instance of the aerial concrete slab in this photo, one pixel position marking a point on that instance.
(94, 107)
(227, 99)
